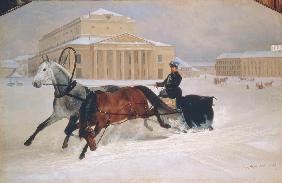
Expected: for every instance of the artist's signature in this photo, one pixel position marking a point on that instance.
(253, 166)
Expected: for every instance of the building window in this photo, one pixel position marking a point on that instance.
(78, 73)
(160, 58)
(93, 27)
(108, 28)
(160, 73)
(120, 27)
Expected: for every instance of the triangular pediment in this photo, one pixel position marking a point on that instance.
(125, 38)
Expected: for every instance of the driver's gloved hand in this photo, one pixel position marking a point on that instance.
(158, 84)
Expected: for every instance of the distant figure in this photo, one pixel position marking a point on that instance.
(171, 84)
(247, 87)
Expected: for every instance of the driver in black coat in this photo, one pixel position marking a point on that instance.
(171, 84)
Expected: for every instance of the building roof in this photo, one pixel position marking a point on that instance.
(23, 57)
(12, 64)
(102, 11)
(87, 40)
(251, 54)
(138, 40)
(182, 64)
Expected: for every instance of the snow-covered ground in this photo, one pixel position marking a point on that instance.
(245, 145)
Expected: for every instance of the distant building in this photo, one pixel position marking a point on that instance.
(7, 68)
(185, 69)
(276, 47)
(108, 48)
(204, 67)
(10, 66)
(250, 64)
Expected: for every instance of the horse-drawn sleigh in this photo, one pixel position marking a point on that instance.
(106, 105)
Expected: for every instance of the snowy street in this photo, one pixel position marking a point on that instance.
(245, 145)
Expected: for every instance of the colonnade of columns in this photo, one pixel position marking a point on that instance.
(121, 64)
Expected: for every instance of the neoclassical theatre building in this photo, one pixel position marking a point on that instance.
(108, 47)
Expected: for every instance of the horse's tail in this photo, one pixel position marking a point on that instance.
(154, 99)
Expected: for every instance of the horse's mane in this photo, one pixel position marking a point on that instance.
(61, 68)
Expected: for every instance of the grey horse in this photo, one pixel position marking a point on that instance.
(64, 106)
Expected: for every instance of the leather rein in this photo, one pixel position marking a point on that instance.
(71, 84)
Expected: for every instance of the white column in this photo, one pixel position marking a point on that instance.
(140, 65)
(147, 64)
(132, 65)
(115, 66)
(105, 64)
(122, 66)
(95, 69)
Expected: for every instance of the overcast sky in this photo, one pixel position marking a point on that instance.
(199, 29)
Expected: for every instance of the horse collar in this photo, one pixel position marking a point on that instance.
(66, 91)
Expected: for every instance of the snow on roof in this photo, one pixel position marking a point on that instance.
(138, 42)
(86, 40)
(15, 75)
(250, 54)
(82, 40)
(181, 62)
(195, 69)
(12, 64)
(157, 43)
(102, 11)
(202, 64)
(23, 57)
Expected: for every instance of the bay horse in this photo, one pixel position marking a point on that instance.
(50, 72)
(110, 108)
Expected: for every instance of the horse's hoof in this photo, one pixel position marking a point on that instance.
(28, 142)
(93, 148)
(65, 145)
(166, 126)
(184, 131)
(150, 128)
(210, 128)
(82, 156)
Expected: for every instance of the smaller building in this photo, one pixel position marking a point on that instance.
(7, 68)
(277, 47)
(250, 64)
(204, 68)
(185, 69)
(18, 64)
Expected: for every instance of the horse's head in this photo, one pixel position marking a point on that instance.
(44, 74)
